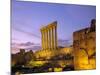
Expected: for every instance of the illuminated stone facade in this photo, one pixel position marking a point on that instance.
(47, 54)
(84, 45)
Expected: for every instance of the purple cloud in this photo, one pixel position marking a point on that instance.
(15, 47)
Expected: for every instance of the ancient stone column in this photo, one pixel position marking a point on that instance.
(55, 36)
(42, 38)
(46, 38)
(49, 37)
(52, 33)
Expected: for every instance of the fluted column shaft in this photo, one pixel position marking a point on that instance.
(55, 37)
(52, 29)
(42, 38)
(47, 38)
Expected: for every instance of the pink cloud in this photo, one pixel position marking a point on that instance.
(15, 47)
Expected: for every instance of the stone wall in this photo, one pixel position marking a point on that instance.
(84, 46)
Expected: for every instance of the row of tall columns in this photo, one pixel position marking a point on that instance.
(49, 36)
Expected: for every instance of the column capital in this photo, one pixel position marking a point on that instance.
(54, 24)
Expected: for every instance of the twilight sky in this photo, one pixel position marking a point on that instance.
(28, 17)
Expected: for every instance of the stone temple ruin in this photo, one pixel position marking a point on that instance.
(49, 43)
(81, 55)
(49, 36)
